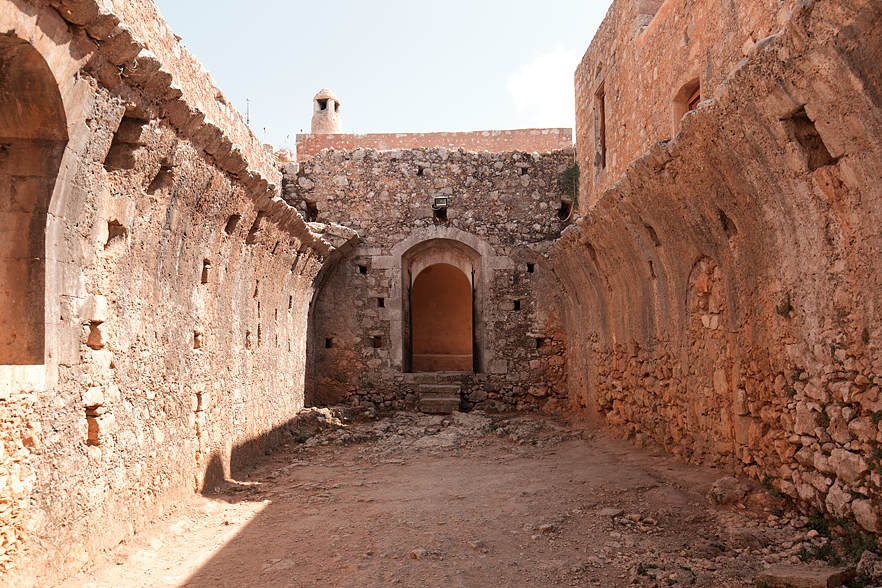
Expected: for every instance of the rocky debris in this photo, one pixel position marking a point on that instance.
(728, 490)
(805, 576)
(870, 566)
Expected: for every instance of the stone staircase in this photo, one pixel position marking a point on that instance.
(438, 398)
(438, 392)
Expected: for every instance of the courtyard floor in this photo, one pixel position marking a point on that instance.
(466, 500)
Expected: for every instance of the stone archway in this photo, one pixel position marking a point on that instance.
(462, 261)
(442, 320)
(33, 135)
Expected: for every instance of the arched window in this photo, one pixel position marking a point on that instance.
(686, 99)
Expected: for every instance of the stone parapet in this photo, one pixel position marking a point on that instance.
(528, 140)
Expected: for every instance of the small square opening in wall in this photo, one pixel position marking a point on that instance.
(440, 215)
(206, 271)
(232, 222)
(517, 304)
(362, 269)
(531, 268)
(377, 341)
(542, 342)
(381, 303)
(329, 343)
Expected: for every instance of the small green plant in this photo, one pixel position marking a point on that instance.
(818, 523)
(301, 437)
(767, 484)
(642, 569)
(569, 182)
(875, 460)
(671, 581)
(797, 374)
(791, 391)
(847, 544)
(785, 308)
(854, 541)
(877, 416)
(865, 336)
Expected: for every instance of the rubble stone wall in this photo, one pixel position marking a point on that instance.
(172, 282)
(529, 140)
(723, 295)
(504, 211)
(643, 54)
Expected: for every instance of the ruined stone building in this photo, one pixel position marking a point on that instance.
(171, 295)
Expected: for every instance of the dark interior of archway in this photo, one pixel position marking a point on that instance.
(442, 320)
(33, 135)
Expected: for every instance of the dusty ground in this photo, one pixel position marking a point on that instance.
(467, 500)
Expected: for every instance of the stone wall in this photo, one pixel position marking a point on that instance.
(504, 210)
(723, 295)
(644, 53)
(529, 140)
(166, 283)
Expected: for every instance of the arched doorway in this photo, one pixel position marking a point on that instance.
(442, 320)
(33, 135)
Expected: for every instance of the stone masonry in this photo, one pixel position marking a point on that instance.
(528, 140)
(505, 208)
(728, 280)
(171, 296)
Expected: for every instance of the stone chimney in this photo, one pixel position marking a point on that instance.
(326, 114)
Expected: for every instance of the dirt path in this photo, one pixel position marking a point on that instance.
(462, 501)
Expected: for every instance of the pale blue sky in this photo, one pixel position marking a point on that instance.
(397, 66)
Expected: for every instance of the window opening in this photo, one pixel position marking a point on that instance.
(685, 100)
(381, 303)
(600, 125)
(362, 269)
(322, 103)
(653, 235)
(311, 211)
(231, 224)
(566, 209)
(804, 131)
(377, 341)
(206, 269)
(329, 343)
(530, 268)
(517, 305)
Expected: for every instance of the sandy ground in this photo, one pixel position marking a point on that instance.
(467, 500)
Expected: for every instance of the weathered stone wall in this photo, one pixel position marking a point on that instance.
(643, 54)
(504, 211)
(172, 281)
(529, 140)
(724, 294)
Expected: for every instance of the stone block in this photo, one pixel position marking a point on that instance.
(805, 576)
(849, 467)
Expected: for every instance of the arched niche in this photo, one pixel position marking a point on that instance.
(33, 135)
(442, 320)
(454, 261)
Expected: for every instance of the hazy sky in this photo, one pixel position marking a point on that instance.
(397, 66)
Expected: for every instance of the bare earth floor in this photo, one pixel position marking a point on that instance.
(467, 500)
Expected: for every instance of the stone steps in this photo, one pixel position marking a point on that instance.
(439, 398)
